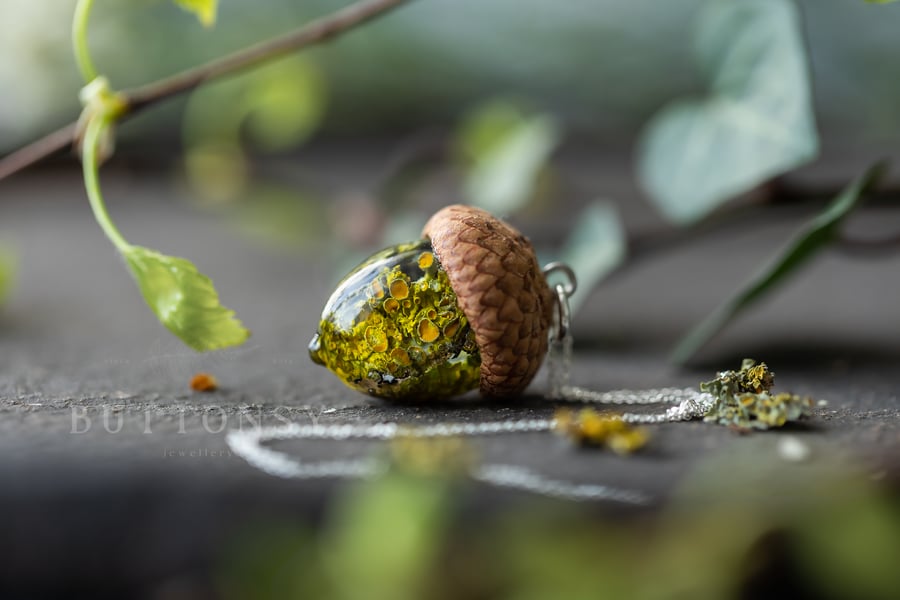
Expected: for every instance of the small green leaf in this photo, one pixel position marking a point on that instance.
(757, 121)
(880, 1)
(814, 236)
(184, 300)
(7, 273)
(594, 249)
(205, 10)
(506, 150)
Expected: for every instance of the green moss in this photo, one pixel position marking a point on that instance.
(393, 329)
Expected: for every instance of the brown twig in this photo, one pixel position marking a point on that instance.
(317, 32)
(46, 146)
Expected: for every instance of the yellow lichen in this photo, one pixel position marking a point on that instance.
(426, 259)
(376, 339)
(401, 356)
(399, 289)
(428, 332)
(592, 428)
(391, 305)
(394, 329)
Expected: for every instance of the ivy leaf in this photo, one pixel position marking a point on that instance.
(594, 249)
(205, 10)
(756, 123)
(506, 150)
(184, 300)
(814, 236)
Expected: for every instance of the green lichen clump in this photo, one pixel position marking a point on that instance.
(393, 329)
(743, 399)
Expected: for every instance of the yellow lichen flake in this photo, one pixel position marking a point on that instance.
(400, 356)
(589, 427)
(393, 328)
(428, 332)
(376, 339)
(391, 305)
(426, 259)
(451, 328)
(399, 289)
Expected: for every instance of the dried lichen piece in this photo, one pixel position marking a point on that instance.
(743, 399)
(588, 427)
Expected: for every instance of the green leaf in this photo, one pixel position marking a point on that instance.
(7, 273)
(386, 536)
(880, 1)
(205, 10)
(756, 123)
(814, 236)
(184, 300)
(594, 249)
(506, 150)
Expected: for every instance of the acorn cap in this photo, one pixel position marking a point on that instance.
(500, 289)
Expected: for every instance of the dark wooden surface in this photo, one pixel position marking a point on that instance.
(149, 505)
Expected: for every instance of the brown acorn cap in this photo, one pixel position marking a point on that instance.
(501, 290)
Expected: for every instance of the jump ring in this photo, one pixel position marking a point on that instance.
(571, 283)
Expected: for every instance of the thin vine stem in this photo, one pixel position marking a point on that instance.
(93, 136)
(316, 32)
(80, 40)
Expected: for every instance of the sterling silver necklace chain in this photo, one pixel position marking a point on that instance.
(683, 404)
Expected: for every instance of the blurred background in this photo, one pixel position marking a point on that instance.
(549, 115)
(602, 66)
(553, 114)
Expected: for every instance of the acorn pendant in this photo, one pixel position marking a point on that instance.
(466, 307)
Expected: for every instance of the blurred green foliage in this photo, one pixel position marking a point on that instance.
(273, 109)
(7, 273)
(596, 246)
(812, 238)
(505, 150)
(204, 9)
(757, 121)
(742, 525)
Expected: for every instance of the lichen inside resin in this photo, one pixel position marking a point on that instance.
(393, 328)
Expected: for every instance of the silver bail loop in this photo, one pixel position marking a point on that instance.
(563, 291)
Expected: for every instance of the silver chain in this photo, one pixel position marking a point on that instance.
(688, 403)
(684, 404)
